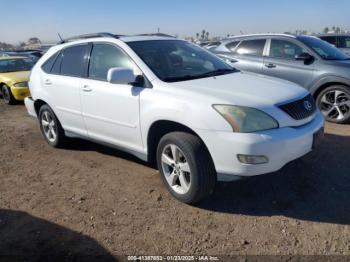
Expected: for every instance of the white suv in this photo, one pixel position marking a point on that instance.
(171, 102)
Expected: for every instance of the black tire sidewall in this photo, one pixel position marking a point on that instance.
(11, 99)
(331, 88)
(193, 194)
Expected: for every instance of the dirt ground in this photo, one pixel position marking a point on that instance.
(90, 199)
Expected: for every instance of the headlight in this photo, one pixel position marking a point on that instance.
(246, 119)
(21, 84)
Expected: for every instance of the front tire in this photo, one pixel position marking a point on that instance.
(186, 167)
(7, 95)
(334, 103)
(50, 127)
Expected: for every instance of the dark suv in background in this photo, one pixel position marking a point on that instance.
(306, 60)
(340, 41)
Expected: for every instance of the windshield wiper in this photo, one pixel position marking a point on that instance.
(217, 72)
(206, 74)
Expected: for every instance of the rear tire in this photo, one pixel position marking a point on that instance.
(334, 103)
(51, 127)
(186, 167)
(7, 95)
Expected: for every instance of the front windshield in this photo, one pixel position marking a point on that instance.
(15, 65)
(323, 49)
(176, 60)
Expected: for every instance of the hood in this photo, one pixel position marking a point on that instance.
(242, 88)
(14, 77)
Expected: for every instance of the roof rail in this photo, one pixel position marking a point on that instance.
(157, 34)
(87, 36)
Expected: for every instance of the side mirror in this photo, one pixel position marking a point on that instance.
(304, 57)
(120, 75)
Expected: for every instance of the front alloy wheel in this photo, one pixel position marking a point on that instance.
(186, 167)
(176, 169)
(7, 95)
(334, 103)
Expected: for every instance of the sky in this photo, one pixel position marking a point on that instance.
(21, 20)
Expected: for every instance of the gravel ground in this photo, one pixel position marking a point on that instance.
(90, 199)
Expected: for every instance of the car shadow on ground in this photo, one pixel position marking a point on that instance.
(314, 188)
(27, 238)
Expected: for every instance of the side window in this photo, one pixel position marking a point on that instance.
(232, 45)
(330, 39)
(56, 68)
(46, 67)
(284, 49)
(104, 57)
(344, 41)
(251, 47)
(74, 61)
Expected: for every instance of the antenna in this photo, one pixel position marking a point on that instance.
(60, 37)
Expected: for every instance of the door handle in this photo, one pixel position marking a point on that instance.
(48, 82)
(86, 88)
(270, 65)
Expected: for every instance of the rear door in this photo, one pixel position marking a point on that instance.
(63, 84)
(248, 55)
(280, 62)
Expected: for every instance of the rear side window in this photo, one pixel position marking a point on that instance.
(104, 57)
(74, 61)
(232, 45)
(47, 66)
(56, 68)
(251, 47)
(284, 49)
(330, 39)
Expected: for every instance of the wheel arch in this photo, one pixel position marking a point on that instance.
(158, 129)
(38, 103)
(327, 82)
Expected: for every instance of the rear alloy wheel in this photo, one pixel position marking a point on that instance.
(334, 103)
(7, 95)
(50, 127)
(186, 167)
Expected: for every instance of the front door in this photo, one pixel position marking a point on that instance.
(280, 62)
(111, 111)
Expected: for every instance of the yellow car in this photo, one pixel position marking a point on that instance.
(14, 76)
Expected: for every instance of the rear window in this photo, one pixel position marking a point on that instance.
(232, 45)
(74, 61)
(251, 47)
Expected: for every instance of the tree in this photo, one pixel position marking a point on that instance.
(326, 30)
(207, 35)
(203, 34)
(197, 35)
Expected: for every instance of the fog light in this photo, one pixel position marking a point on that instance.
(252, 160)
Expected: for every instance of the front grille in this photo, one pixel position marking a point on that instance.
(300, 109)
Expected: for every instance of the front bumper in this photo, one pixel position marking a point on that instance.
(280, 146)
(20, 93)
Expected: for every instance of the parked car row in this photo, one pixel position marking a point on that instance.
(305, 60)
(178, 105)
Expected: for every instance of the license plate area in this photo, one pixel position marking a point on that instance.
(317, 138)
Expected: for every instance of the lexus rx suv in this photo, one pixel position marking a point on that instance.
(305, 60)
(170, 102)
